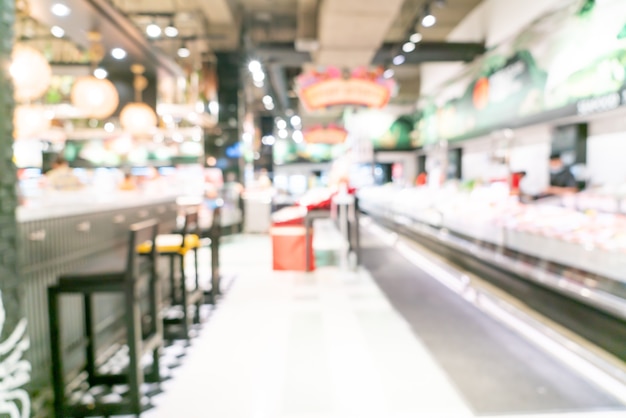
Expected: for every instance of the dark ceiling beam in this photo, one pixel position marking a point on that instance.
(285, 54)
(279, 84)
(111, 18)
(431, 52)
(281, 53)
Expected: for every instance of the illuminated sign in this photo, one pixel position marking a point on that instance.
(325, 135)
(362, 88)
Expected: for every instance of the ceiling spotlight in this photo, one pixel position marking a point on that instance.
(281, 124)
(389, 73)
(282, 133)
(258, 76)
(295, 120)
(170, 30)
(297, 136)
(184, 52)
(254, 66)
(258, 84)
(269, 106)
(268, 140)
(57, 31)
(100, 73)
(429, 19)
(153, 30)
(416, 37)
(267, 100)
(408, 47)
(60, 9)
(118, 53)
(398, 59)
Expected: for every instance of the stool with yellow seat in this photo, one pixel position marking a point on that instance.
(176, 246)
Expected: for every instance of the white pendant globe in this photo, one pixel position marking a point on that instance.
(29, 121)
(31, 73)
(138, 118)
(94, 98)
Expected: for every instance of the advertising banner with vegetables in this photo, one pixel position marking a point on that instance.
(570, 61)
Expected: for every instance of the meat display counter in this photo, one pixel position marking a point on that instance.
(577, 253)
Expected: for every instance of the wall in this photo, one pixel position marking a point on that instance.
(606, 148)
(529, 151)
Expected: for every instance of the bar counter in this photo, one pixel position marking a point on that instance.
(59, 232)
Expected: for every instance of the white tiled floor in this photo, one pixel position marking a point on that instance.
(294, 345)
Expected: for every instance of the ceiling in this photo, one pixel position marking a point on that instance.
(286, 35)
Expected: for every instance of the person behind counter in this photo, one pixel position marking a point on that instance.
(562, 181)
(61, 176)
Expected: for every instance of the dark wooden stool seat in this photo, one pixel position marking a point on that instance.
(124, 272)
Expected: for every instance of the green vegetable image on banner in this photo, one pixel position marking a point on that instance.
(398, 137)
(622, 33)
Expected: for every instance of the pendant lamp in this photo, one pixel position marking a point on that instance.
(95, 98)
(29, 120)
(138, 118)
(31, 73)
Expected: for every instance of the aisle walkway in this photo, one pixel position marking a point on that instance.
(296, 345)
(322, 345)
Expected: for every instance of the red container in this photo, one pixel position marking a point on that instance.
(289, 248)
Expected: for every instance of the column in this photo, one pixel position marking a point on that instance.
(14, 401)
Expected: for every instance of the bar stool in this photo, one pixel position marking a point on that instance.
(127, 279)
(211, 237)
(176, 246)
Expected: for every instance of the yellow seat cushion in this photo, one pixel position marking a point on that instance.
(171, 243)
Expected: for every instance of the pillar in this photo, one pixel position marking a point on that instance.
(14, 401)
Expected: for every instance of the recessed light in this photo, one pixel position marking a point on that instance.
(254, 66)
(398, 59)
(281, 124)
(57, 31)
(416, 37)
(408, 47)
(153, 30)
(118, 53)
(60, 9)
(100, 73)
(389, 73)
(184, 52)
(297, 136)
(267, 100)
(171, 31)
(295, 120)
(429, 20)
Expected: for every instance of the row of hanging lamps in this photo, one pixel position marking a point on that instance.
(95, 97)
(137, 117)
(31, 74)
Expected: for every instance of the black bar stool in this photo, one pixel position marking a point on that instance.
(176, 246)
(112, 274)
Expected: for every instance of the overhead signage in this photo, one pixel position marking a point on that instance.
(331, 134)
(572, 61)
(319, 90)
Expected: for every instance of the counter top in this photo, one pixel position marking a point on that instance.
(67, 203)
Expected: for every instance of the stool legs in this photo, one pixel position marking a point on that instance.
(184, 301)
(90, 348)
(58, 384)
(133, 327)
